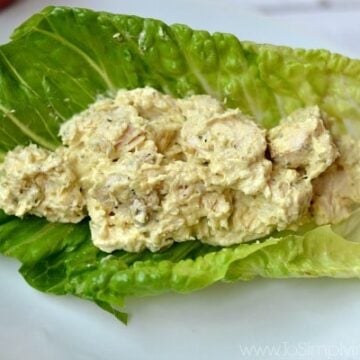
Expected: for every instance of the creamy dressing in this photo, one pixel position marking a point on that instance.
(40, 182)
(149, 169)
(337, 190)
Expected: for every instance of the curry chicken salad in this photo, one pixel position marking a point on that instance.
(149, 169)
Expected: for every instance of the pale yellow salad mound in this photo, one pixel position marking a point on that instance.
(149, 169)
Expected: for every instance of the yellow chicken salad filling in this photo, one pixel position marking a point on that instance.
(150, 170)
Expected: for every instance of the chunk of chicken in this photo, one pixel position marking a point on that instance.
(200, 107)
(142, 205)
(39, 182)
(302, 142)
(232, 146)
(284, 201)
(337, 191)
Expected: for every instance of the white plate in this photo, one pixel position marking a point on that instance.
(265, 319)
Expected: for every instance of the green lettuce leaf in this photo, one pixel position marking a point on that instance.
(62, 59)
(68, 263)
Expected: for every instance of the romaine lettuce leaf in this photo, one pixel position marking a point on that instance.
(66, 262)
(62, 59)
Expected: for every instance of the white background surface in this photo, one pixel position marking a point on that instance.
(293, 319)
